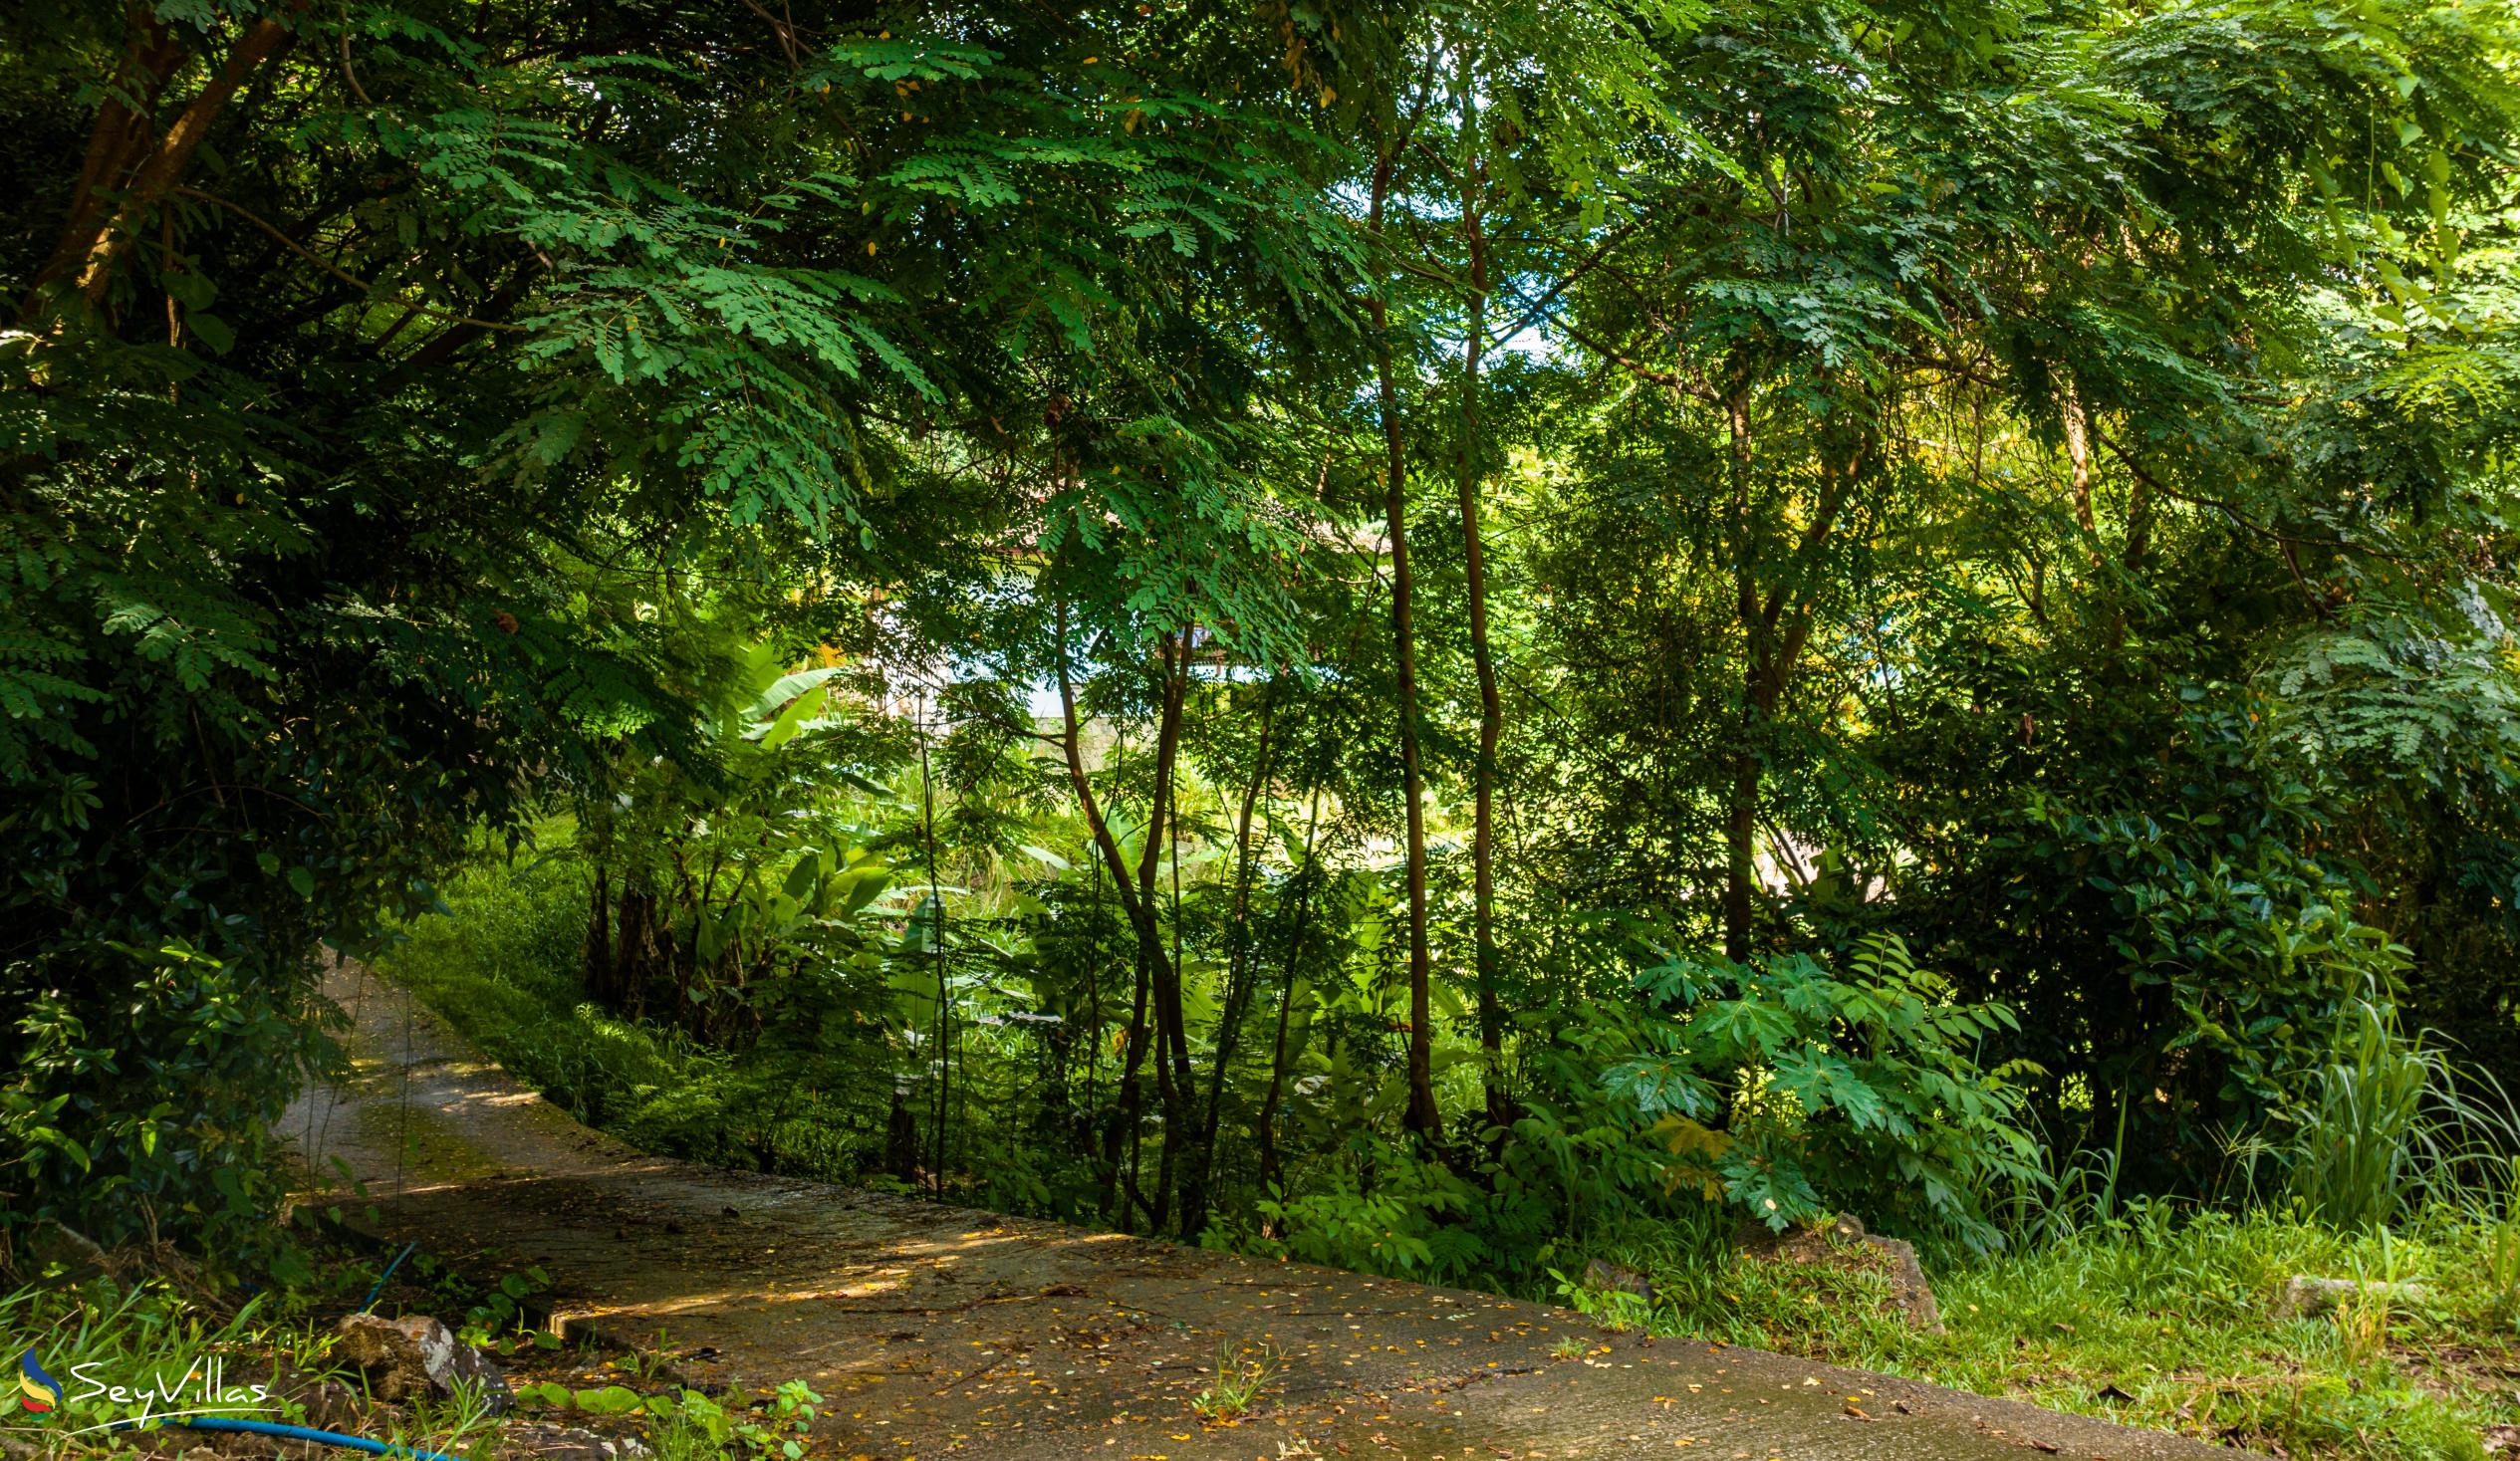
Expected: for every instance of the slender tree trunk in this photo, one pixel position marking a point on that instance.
(1741, 815)
(1173, 1084)
(1180, 1134)
(682, 957)
(1272, 1174)
(900, 1136)
(1741, 804)
(1422, 1116)
(1238, 979)
(1093, 1002)
(2130, 555)
(1774, 628)
(936, 931)
(2139, 522)
(602, 977)
(1132, 1107)
(635, 944)
(1483, 661)
(1167, 978)
(1136, 890)
(2078, 455)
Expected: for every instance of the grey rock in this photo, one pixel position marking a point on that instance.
(2305, 1297)
(49, 1244)
(1844, 1245)
(1610, 1278)
(417, 1357)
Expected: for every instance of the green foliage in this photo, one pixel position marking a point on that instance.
(2502, 1250)
(686, 1424)
(2352, 1163)
(360, 460)
(152, 1331)
(95, 1117)
(1240, 1376)
(1792, 1091)
(2257, 944)
(501, 1309)
(737, 888)
(891, 526)
(1399, 1227)
(505, 968)
(2191, 884)
(137, 1329)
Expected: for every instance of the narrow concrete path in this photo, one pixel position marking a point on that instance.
(934, 1330)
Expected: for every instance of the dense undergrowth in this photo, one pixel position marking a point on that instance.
(1867, 1084)
(1422, 636)
(506, 974)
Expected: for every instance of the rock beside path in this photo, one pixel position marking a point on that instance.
(2304, 1297)
(1845, 1246)
(1609, 1278)
(420, 1359)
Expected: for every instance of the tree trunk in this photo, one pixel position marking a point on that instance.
(936, 931)
(636, 951)
(1741, 815)
(2078, 455)
(1742, 805)
(1272, 1174)
(1775, 627)
(900, 1136)
(2139, 522)
(1136, 890)
(90, 242)
(1119, 1188)
(1239, 981)
(602, 971)
(122, 138)
(1175, 1084)
(1483, 660)
(1422, 1116)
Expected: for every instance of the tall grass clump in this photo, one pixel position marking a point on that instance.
(2387, 1124)
(2350, 1162)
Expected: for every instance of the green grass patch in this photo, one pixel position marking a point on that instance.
(2166, 1319)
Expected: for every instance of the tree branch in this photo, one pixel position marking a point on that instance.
(329, 267)
(265, 39)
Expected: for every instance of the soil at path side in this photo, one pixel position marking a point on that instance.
(933, 1331)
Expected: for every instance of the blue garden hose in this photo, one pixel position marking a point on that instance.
(307, 1433)
(370, 1302)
